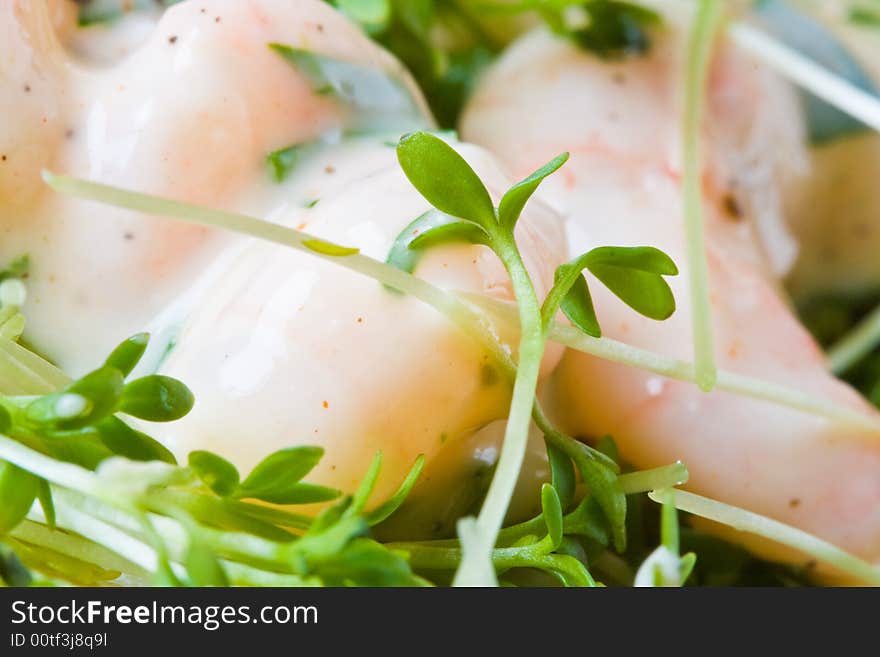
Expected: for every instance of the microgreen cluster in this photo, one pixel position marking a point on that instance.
(95, 477)
(464, 212)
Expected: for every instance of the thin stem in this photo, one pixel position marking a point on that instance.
(801, 70)
(699, 57)
(513, 449)
(774, 530)
(35, 533)
(458, 311)
(648, 480)
(671, 368)
(418, 288)
(857, 344)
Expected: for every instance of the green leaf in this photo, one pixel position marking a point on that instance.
(202, 565)
(12, 571)
(328, 248)
(5, 419)
(605, 487)
(44, 494)
(282, 162)
(444, 178)
(275, 475)
(429, 229)
(18, 268)
(364, 562)
(123, 440)
(635, 276)
(365, 490)
(129, 353)
(386, 509)
(86, 450)
(552, 511)
(578, 307)
(686, 567)
(864, 16)
(215, 472)
(18, 490)
(616, 28)
(372, 15)
(157, 398)
(562, 474)
(606, 445)
(513, 202)
(298, 494)
(82, 403)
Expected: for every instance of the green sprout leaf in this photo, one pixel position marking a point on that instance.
(12, 571)
(44, 495)
(276, 478)
(5, 420)
(365, 490)
(552, 509)
(202, 565)
(329, 249)
(444, 178)
(82, 403)
(157, 398)
(215, 472)
(128, 354)
(283, 161)
(577, 305)
(430, 229)
(616, 28)
(386, 509)
(513, 202)
(562, 474)
(122, 440)
(18, 490)
(18, 268)
(372, 15)
(605, 487)
(635, 276)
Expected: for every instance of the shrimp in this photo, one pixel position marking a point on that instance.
(190, 113)
(622, 187)
(284, 349)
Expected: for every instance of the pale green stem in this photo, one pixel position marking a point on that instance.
(648, 480)
(513, 448)
(457, 310)
(857, 344)
(78, 547)
(671, 368)
(773, 530)
(803, 71)
(699, 57)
